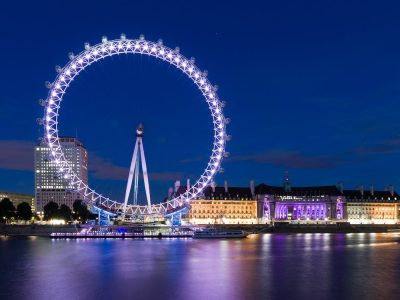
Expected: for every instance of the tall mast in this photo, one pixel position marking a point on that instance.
(134, 171)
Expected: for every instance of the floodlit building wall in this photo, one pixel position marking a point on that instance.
(49, 184)
(221, 211)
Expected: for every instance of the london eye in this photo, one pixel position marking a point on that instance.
(121, 46)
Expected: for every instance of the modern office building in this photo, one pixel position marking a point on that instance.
(17, 198)
(49, 184)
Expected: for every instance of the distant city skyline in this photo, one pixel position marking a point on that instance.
(314, 91)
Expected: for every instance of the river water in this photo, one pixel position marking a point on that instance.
(269, 266)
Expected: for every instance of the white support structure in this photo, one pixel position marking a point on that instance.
(134, 171)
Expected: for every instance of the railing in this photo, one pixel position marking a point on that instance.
(120, 234)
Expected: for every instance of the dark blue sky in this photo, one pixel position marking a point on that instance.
(311, 86)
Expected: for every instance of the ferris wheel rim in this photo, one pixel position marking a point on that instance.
(105, 49)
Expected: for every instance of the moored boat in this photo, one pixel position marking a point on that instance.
(219, 234)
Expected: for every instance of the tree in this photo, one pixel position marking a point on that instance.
(81, 212)
(24, 211)
(50, 210)
(65, 213)
(7, 210)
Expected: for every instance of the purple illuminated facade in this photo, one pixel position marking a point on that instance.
(324, 203)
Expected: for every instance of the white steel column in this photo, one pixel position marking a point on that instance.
(130, 177)
(145, 175)
(136, 183)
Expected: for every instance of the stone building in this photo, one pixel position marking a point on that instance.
(372, 207)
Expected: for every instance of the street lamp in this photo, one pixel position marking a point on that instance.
(41, 215)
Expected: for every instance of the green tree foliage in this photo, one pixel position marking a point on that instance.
(65, 213)
(50, 211)
(7, 210)
(24, 211)
(81, 211)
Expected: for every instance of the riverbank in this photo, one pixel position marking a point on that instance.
(46, 230)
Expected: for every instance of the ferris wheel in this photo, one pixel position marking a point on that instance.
(123, 45)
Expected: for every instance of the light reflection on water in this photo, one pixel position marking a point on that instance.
(278, 266)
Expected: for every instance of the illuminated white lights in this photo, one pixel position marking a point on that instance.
(120, 46)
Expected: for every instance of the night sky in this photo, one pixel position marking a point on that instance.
(312, 87)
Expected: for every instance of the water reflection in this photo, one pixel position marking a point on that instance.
(298, 266)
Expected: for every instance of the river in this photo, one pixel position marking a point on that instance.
(269, 266)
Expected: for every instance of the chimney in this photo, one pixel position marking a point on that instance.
(371, 190)
(170, 192)
(252, 189)
(177, 185)
(391, 189)
(187, 184)
(213, 185)
(362, 190)
(340, 187)
(226, 186)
